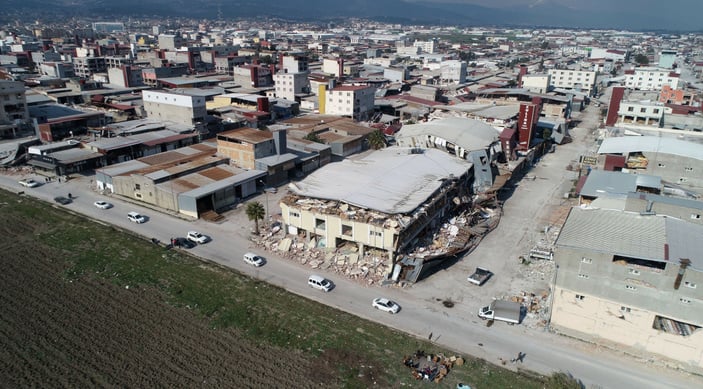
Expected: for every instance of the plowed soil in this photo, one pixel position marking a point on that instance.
(87, 332)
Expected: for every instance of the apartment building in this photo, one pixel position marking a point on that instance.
(650, 78)
(647, 113)
(355, 101)
(13, 107)
(580, 80)
(85, 67)
(535, 83)
(453, 72)
(290, 84)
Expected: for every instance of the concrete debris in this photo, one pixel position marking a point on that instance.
(430, 367)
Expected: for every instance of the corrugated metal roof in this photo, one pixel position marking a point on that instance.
(654, 144)
(391, 180)
(603, 183)
(468, 133)
(685, 241)
(622, 233)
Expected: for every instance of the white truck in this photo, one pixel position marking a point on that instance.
(506, 311)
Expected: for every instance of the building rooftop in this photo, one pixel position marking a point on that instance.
(655, 144)
(246, 134)
(470, 134)
(392, 180)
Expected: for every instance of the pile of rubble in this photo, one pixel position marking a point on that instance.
(430, 367)
(370, 268)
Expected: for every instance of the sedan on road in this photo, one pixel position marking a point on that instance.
(183, 242)
(385, 305)
(29, 183)
(253, 259)
(102, 204)
(63, 200)
(195, 236)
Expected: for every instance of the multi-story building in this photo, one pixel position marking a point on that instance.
(428, 47)
(290, 84)
(85, 67)
(355, 101)
(535, 83)
(13, 107)
(651, 78)
(294, 64)
(453, 72)
(581, 80)
(175, 107)
(170, 41)
(631, 278)
(253, 75)
(646, 113)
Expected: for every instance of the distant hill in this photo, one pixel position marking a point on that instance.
(545, 13)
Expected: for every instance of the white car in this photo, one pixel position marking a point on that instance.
(102, 204)
(385, 305)
(320, 283)
(253, 259)
(29, 183)
(136, 217)
(195, 236)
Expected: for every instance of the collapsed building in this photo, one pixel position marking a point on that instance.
(399, 198)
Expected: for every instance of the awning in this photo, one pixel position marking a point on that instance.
(41, 164)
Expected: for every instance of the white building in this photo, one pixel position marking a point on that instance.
(333, 66)
(536, 83)
(290, 84)
(175, 107)
(651, 78)
(648, 113)
(426, 46)
(356, 101)
(453, 72)
(582, 80)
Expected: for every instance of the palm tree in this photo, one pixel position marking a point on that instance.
(377, 140)
(255, 211)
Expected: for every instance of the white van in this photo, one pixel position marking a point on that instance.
(318, 282)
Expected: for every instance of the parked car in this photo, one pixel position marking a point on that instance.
(271, 189)
(63, 200)
(29, 183)
(385, 305)
(183, 242)
(136, 217)
(102, 204)
(320, 283)
(253, 259)
(195, 236)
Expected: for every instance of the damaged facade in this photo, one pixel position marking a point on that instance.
(399, 198)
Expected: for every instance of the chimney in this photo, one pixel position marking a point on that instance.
(683, 264)
(279, 139)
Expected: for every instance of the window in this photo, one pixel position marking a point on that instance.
(294, 214)
(688, 169)
(586, 260)
(625, 309)
(630, 287)
(690, 284)
(685, 301)
(661, 164)
(375, 233)
(346, 230)
(630, 109)
(643, 110)
(137, 187)
(696, 216)
(656, 110)
(634, 272)
(320, 224)
(579, 297)
(683, 179)
(583, 276)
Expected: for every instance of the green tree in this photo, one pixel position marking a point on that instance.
(377, 140)
(255, 211)
(313, 138)
(641, 59)
(563, 380)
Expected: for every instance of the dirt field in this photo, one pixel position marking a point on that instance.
(88, 332)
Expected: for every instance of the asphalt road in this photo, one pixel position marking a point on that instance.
(457, 328)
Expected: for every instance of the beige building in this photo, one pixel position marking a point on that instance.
(583, 80)
(631, 278)
(384, 202)
(13, 107)
(244, 145)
